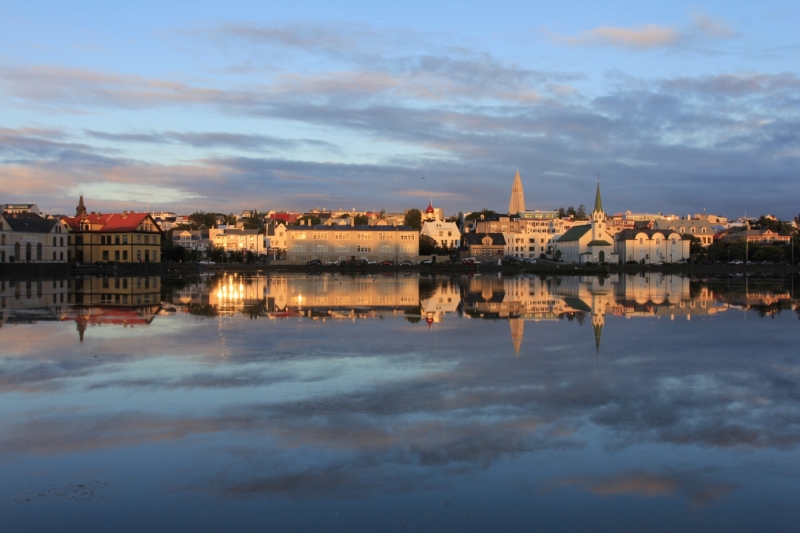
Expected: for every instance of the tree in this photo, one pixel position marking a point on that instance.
(308, 219)
(230, 219)
(562, 213)
(361, 220)
(476, 215)
(427, 245)
(581, 213)
(251, 223)
(201, 218)
(413, 218)
(571, 212)
(696, 248)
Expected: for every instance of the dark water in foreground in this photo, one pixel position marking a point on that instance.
(378, 403)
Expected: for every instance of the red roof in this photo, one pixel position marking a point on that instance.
(430, 208)
(111, 222)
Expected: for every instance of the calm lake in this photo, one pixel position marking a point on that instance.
(375, 402)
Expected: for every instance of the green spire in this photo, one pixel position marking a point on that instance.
(598, 332)
(598, 202)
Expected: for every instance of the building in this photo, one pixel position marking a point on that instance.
(194, 240)
(27, 237)
(758, 236)
(446, 234)
(432, 213)
(588, 242)
(485, 245)
(239, 240)
(699, 228)
(345, 243)
(12, 209)
(528, 233)
(125, 237)
(276, 236)
(652, 245)
(517, 202)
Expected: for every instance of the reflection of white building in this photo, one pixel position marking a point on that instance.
(444, 300)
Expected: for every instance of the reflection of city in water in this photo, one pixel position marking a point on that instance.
(89, 301)
(517, 299)
(135, 301)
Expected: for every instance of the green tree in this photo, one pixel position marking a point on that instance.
(477, 214)
(251, 223)
(427, 246)
(413, 218)
(230, 219)
(361, 220)
(581, 213)
(202, 219)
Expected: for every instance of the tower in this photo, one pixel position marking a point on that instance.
(598, 215)
(517, 332)
(517, 202)
(80, 211)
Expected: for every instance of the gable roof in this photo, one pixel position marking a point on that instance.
(477, 238)
(29, 222)
(111, 222)
(631, 234)
(575, 233)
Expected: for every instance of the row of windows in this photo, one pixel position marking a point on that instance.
(106, 239)
(345, 236)
(123, 254)
(123, 283)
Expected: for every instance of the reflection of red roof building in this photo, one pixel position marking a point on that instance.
(112, 316)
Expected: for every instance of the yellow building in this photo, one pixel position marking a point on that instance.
(125, 237)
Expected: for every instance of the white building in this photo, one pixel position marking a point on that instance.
(652, 245)
(27, 237)
(446, 234)
(346, 243)
(239, 240)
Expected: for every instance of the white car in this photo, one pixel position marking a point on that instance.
(207, 262)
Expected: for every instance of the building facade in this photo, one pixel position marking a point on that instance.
(647, 246)
(239, 240)
(346, 243)
(588, 242)
(125, 237)
(27, 237)
(446, 234)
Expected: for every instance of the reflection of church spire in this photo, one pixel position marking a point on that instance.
(81, 328)
(597, 324)
(517, 331)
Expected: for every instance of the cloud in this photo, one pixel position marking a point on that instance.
(236, 141)
(642, 37)
(649, 36)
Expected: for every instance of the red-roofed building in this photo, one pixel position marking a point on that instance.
(125, 237)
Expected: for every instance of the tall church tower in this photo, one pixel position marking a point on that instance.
(517, 202)
(80, 211)
(598, 215)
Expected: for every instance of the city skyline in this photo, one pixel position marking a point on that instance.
(681, 108)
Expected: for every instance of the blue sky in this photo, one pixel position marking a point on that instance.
(190, 105)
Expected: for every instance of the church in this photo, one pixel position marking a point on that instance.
(588, 243)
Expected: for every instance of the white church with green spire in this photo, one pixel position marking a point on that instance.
(588, 243)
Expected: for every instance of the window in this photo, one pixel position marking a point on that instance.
(124, 239)
(300, 235)
(341, 236)
(298, 247)
(125, 283)
(363, 236)
(62, 241)
(116, 239)
(342, 248)
(138, 255)
(54, 242)
(116, 283)
(116, 255)
(365, 248)
(105, 255)
(125, 255)
(105, 283)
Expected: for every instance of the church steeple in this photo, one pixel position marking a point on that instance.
(80, 211)
(517, 202)
(598, 214)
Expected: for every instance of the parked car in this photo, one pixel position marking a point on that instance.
(387, 263)
(406, 263)
(736, 262)
(207, 262)
(425, 262)
(331, 263)
(470, 261)
(314, 262)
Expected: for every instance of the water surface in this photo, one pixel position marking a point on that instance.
(407, 403)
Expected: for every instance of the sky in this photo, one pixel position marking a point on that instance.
(184, 106)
